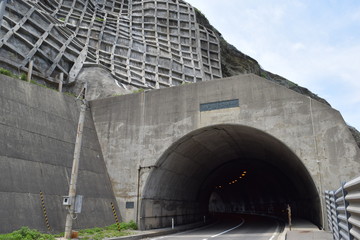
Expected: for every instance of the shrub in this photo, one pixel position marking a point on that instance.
(25, 233)
(140, 90)
(6, 72)
(23, 76)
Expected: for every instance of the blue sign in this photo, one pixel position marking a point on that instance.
(219, 105)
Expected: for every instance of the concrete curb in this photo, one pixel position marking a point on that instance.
(282, 235)
(160, 232)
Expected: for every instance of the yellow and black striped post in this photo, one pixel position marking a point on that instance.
(44, 210)
(115, 216)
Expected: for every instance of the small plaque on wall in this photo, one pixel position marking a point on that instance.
(219, 105)
(129, 204)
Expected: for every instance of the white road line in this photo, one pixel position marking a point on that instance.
(226, 230)
(182, 232)
(276, 231)
(156, 238)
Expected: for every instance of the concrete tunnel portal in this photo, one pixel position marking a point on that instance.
(227, 169)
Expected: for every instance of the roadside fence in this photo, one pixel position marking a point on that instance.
(343, 210)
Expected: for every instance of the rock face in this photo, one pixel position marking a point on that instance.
(100, 84)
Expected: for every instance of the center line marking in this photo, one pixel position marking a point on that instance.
(227, 230)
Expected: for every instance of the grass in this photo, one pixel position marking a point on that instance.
(262, 74)
(108, 232)
(22, 76)
(41, 85)
(140, 90)
(26, 233)
(96, 233)
(7, 72)
(70, 94)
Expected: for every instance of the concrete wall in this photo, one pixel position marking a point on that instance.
(37, 135)
(136, 130)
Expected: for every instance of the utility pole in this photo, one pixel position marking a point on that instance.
(75, 166)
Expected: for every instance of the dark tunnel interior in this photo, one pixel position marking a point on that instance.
(228, 169)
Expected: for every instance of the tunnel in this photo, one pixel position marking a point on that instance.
(227, 169)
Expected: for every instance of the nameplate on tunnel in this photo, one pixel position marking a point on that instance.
(129, 205)
(219, 105)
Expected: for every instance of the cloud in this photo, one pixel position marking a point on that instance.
(355, 16)
(312, 43)
(298, 46)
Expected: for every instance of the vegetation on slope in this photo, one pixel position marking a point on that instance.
(115, 230)
(26, 233)
(356, 135)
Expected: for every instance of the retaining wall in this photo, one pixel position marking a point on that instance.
(37, 136)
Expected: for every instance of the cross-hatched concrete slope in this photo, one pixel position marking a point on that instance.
(37, 135)
(143, 43)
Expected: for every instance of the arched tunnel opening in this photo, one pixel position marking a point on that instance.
(227, 169)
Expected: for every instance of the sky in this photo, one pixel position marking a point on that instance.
(314, 43)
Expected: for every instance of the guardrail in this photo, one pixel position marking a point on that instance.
(343, 210)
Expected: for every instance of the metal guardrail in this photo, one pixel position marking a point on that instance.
(343, 210)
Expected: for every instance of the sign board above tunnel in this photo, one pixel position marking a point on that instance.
(219, 105)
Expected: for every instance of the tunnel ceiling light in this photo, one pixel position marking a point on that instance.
(235, 180)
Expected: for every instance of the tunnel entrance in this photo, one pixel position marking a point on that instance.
(227, 169)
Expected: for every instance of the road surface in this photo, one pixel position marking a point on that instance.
(240, 227)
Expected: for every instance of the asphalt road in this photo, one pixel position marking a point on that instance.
(240, 227)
